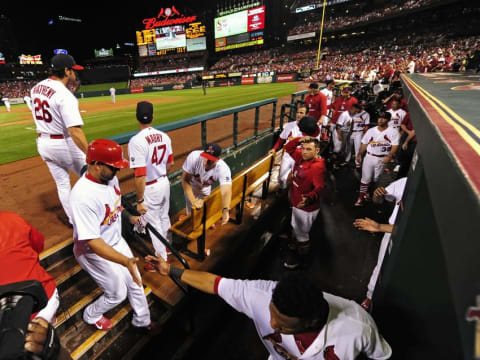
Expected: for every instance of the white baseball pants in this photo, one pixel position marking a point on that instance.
(371, 169)
(285, 168)
(50, 310)
(376, 271)
(356, 142)
(116, 283)
(61, 155)
(337, 144)
(302, 222)
(157, 201)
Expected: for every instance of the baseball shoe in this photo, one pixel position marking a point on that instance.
(345, 163)
(149, 267)
(104, 324)
(366, 304)
(292, 261)
(153, 329)
(360, 201)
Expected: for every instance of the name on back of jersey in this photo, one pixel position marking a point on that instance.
(43, 90)
(153, 138)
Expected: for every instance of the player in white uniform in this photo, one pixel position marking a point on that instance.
(98, 244)
(290, 131)
(200, 170)
(150, 153)
(343, 130)
(294, 318)
(61, 141)
(393, 191)
(328, 92)
(398, 115)
(112, 94)
(380, 143)
(28, 101)
(7, 103)
(361, 120)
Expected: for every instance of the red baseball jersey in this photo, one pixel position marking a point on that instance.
(316, 105)
(308, 177)
(340, 105)
(20, 245)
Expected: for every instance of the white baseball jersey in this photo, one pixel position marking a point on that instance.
(112, 91)
(28, 101)
(348, 332)
(344, 121)
(380, 143)
(96, 209)
(150, 148)
(203, 179)
(328, 94)
(55, 109)
(360, 120)
(397, 118)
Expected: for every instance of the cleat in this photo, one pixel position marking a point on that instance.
(360, 201)
(292, 261)
(104, 324)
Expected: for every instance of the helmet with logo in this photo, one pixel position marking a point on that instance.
(308, 125)
(107, 152)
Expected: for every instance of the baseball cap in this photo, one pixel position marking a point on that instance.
(62, 61)
(308, 125)
(212, 152)
(385, 115)
(145, 112)
(313, 86)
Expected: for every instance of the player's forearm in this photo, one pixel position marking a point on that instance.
(393, 150)
(187, 188)
(140, 186)
(105, 251)
(362, 149)
(200, 280)
(79, 138)
(226, 191)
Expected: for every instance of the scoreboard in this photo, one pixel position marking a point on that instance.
(183, 34)
(240, 29)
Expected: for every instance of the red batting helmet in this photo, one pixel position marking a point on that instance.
(107, 152)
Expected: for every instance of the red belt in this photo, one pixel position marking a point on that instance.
(53, 136)
(376, 155)
(153, 181)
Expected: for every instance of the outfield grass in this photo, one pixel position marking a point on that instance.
(17, 141)
(101, 87)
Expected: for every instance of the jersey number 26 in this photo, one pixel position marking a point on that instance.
(41, 110)
(156, 160)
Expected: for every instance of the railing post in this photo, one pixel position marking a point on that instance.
(204, 134)
(235, 129)
(274, 113)
(257, 119)
(292, 100)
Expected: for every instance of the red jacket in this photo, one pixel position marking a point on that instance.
(308, 177)
(20, 245)
(340, 105)
(316, 105)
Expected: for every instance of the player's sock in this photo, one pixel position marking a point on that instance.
(363, 190)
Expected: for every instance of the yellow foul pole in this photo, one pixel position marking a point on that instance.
(321, 32)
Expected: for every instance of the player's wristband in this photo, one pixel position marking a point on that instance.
(140, 201)
(175, 272)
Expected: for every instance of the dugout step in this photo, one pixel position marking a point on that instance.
(84, 341)
(56, 253)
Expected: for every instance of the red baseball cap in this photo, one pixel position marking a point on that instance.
(212, 152)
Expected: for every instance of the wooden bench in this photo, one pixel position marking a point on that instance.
(193, 227)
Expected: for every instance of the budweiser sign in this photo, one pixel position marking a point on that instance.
(167, 17)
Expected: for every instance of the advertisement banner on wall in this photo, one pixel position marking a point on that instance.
(264, 79)
(285, 77)
(136, 90)
(248, 81)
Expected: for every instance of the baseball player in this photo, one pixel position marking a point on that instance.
(380, 143)
(20, 245)
(61, 141)
(328, 92)
(316, 103)
(28, 101)
(150, 153)
(200, 170)
(290, 131)
(98, 243)
(342, 103)
(7, 104)
(112, 94)
(361, 120)
(313, 326)
(398, 115)
(395, 192)
(307, 183)
(342, 133)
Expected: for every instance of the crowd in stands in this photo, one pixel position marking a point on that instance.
(170, 62)
(343, 21)
(16, 89)
(163, 80)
